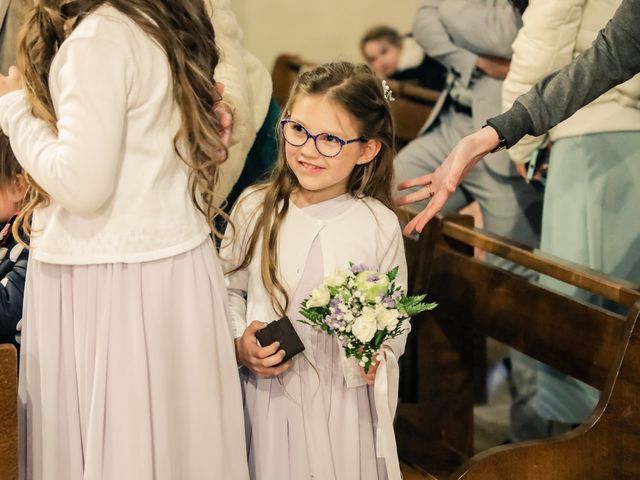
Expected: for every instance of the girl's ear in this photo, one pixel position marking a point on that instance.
(368, 151)
(18, 188)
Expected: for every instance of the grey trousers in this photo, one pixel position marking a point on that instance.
(510, 208)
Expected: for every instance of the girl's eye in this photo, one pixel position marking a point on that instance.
(297, 128)
(331, 138)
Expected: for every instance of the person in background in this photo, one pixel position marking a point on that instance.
(473, 39)
(590, 214)
(247, 93)
(613, 58)
(398, 57)
(13, 255)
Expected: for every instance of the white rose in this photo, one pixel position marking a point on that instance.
(386, 318)
(319, 297)
(364, 327)
(336, 279)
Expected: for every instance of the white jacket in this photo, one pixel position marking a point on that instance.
(554, 33)
(367, 233)
(247, 89)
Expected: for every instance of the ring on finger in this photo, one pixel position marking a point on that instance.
(429, 191)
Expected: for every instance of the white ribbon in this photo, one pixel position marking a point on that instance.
(385, 393)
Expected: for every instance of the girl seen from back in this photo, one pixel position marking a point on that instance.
(328, 204)
(127, 366)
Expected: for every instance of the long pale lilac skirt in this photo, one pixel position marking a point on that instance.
(128, 372)
(307, 424)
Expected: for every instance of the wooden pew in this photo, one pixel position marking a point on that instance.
(285, 71)
(410, 110)
(8, 413)
(434, 426)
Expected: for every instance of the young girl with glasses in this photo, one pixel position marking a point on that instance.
(328, 203)
(127, 367)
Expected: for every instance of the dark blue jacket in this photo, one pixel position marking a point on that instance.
(13, 270)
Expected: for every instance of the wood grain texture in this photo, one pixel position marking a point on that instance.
(435, 424)
(8, 413)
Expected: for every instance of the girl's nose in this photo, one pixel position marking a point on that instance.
(309, 149)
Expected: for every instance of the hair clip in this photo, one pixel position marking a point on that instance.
(388, 94)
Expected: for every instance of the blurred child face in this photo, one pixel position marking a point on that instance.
(382, 56)
(322, 178)
(11, 197)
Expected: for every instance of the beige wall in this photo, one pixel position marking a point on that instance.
(317, 30)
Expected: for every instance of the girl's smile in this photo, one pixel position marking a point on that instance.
(311, 168)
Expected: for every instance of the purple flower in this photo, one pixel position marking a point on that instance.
(389, 302)
(332, 321)
(374, 277)
(396, 295)
(358, 268)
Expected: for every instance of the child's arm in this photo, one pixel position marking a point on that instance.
(231, 253)
(395, 257)
(78, 165)
(11, 295)
(263, 361)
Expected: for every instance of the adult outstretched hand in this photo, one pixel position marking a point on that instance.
(440, 184)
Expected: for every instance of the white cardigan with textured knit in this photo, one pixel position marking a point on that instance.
(119, 193)
(367, 233)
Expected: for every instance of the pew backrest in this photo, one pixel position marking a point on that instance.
(477, 299)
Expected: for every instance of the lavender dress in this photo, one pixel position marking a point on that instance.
(306, 423)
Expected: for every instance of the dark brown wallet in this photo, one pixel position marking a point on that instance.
(281, 331)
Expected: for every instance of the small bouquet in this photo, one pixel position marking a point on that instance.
(363, 307)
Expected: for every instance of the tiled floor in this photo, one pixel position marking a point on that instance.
(491, 421)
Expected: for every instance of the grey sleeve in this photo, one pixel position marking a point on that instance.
(432, 36)
(613, 58)
(481, 27)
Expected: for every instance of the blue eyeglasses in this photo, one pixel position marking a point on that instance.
(328, 145)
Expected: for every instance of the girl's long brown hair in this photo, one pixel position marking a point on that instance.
(359, 92)
(183, 29)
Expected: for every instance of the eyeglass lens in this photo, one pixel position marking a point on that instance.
(327, 144)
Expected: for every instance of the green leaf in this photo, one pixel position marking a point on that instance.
(414, 305)
(379, 338)
(393, 274)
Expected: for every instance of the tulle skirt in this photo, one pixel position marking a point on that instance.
(128, 372)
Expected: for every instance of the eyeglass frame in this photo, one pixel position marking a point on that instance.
(342, 142)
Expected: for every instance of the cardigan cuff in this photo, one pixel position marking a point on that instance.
(7, 101)
(513, 124)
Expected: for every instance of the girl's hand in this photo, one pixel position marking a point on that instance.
(446, 178)
(370, 377)
(224, 113)
(11, 82)
(260, 360)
